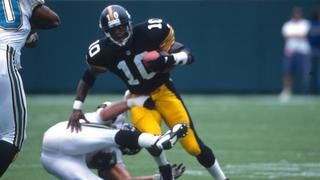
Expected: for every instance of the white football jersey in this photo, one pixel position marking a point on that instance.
(14, 24)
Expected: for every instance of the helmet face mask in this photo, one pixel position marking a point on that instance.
(115, 21)
(120, 34)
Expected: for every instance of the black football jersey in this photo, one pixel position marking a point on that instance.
(126, 61)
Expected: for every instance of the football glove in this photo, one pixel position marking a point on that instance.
(164, 61)
(103, 160)
(178, 170)
(32, 40)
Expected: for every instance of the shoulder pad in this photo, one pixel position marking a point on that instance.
(157, 31)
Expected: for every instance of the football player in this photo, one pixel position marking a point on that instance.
(121, 52)
(69, 155)
(16, 19)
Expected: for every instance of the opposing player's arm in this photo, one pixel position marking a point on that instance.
(116, 108)
(43, 17)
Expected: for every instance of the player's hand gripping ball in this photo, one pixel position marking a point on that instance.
(158, 61)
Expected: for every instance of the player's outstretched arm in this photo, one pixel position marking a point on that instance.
(119, 107)
(84, 85)
(77, 113)
(44, 18)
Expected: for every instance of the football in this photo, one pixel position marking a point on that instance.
(151, 56)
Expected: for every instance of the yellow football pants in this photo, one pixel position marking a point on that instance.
(172, 110)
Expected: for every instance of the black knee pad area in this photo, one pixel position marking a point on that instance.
(206, 158)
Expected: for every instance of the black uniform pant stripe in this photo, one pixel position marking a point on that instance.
(171, 87)
(19, 110)
(206, 157)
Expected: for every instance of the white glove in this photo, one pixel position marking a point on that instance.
(137, 101)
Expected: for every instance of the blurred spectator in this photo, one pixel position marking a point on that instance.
(314, 39)
(296, 62)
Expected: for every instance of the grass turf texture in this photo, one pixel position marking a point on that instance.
(254, 137)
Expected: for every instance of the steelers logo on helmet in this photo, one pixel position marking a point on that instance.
(115, 21)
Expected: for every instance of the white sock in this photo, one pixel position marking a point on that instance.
(216, 172)
(146, 140)
(161, 160)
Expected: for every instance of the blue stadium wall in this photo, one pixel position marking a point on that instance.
(237, 44)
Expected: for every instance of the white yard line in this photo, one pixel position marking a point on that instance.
(25, 166)
(196, 172)
(266, 170)
(274, 170)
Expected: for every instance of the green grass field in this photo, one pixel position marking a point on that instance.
(254, 137)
